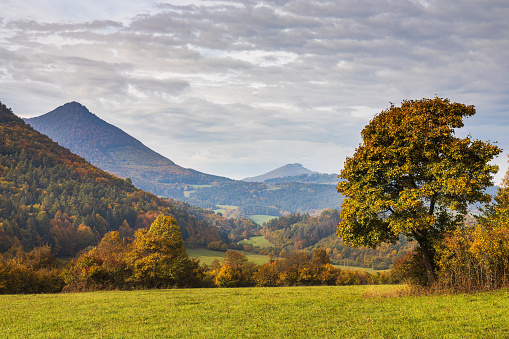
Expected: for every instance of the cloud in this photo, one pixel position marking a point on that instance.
(235, 85)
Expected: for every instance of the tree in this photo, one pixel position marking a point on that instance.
(158, 256)
(236, 271)
(411, 175)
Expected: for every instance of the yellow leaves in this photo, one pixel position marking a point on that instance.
(410, 163)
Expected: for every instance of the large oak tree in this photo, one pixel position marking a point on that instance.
(411, 175)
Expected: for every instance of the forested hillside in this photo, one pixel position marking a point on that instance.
(49, 195)
(304, 232)
(259, 198)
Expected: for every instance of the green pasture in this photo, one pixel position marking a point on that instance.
(261, 218)
(286, 312)
(259, 241)
(207, 256)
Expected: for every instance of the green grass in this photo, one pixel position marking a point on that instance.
(207, 256)
(259, 241)
(291, 312)
(261, 218)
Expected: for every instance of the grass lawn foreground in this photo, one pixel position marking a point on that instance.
(288, 312)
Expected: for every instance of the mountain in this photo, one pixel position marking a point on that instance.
(49, 195)
(289, 170)
(295, 173)
(113, 150)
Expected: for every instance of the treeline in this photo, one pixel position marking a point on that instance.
(285, 198)
(297, 268)
(315, 178)
(156, 258)
(230, 229)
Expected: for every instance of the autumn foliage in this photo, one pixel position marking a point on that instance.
(413, 176)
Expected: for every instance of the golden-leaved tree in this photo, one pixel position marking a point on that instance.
(411, 175)
(158, 257)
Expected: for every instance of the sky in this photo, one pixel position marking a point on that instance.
(238, 88)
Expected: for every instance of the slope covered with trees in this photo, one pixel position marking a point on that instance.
(278, 199)
(49, 195)
(304, 232)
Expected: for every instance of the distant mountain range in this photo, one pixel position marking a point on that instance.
(113, 150)
(288, 189)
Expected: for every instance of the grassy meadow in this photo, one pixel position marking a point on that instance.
(287, 312)
(257, 241)
(207, 256)
(261, 218)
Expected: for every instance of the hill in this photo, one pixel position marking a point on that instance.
(259, 198)
(111, 149)
(289, 170)
(294, 173)
(49, 195)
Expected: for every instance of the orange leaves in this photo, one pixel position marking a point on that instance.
(474, 259)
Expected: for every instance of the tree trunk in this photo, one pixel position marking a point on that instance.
(428, 262)
(420, 236)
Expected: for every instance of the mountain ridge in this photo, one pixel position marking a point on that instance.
(108, 147)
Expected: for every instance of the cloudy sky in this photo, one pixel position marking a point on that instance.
(238, 88)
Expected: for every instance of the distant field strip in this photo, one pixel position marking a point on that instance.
(257, 241)
(291, 312)
(261, 218)
(207, 256)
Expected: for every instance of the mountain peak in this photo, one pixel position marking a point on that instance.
(84, 133)
(288, 170)
(108, 147)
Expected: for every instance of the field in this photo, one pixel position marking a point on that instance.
(292, 312)
(261, 218)
(257, 241)
(225, 208)
(206, 256)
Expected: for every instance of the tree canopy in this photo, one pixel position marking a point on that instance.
(411, 175)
